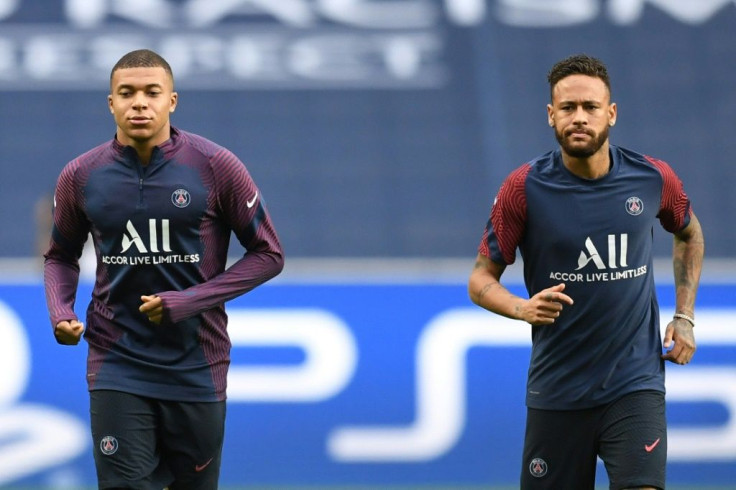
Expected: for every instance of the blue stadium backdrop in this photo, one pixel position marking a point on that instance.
(374, 128)
(344, 384)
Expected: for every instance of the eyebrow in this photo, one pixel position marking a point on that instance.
(586, 101)
(131, 86)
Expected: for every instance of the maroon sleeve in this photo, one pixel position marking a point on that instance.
(507, 222)
(241, 205)
(674, 208)
(69, 232)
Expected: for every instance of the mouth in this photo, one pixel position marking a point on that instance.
(580, 133)
(139, 120)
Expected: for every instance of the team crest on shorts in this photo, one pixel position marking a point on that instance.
(634, 206)
(108, 445)
(538, 467)
(181, 198)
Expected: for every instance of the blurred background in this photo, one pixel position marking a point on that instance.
(379, 132)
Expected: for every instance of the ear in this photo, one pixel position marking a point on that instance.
(109, 104)
(174, 101)
(550, 115)
(612, 114)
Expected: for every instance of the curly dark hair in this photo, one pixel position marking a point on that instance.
(579, 64)
(142, 58)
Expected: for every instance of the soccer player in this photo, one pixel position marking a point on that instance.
(160, 204)
(582, 217)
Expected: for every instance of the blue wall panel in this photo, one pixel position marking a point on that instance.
(368, 384)
(373, 128)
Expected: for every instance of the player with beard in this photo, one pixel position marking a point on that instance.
(582, 217)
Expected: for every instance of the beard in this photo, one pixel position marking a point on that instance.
(586, 151)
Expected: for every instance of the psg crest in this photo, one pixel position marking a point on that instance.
(634, 206)
(181, 198)
(108, 445)
(538, 467)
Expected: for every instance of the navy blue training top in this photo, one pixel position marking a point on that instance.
(159, 229)
(596, 236)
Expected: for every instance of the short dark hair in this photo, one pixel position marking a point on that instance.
(578, 64)
(142, 58)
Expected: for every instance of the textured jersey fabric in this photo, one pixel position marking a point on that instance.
(596, 236)
(159, 229)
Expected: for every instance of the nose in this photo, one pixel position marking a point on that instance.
(140, 101)
(580, 116)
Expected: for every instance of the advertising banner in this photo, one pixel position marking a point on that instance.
(395, 119)
(357, 384)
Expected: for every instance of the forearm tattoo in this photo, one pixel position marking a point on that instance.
(485, 289)
(687, 261)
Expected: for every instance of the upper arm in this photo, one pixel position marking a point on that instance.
(484, 279)
(486, 273)
(507, 222)
(242, 205)
(691, 231)
(237, 194)
(484, 266)
(70, 226)
(674, 208)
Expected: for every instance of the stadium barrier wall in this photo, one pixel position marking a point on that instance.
(370, 383)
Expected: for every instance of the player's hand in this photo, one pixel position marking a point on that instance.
(680, 332)
(544, 307)
(153, 308)
(68, 332)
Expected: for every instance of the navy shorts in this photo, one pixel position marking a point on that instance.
(561, 447)
(148, 444)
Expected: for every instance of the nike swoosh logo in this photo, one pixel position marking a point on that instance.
(200, 467)
(252, 201)
(649, 448)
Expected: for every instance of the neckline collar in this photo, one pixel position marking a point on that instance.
(164, 147)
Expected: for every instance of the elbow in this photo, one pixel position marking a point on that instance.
(472, 292)
(473, 297)
(277, 256)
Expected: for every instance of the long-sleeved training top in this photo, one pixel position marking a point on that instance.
(159, 229)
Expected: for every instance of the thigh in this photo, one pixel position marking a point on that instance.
(124, 434)
(633, 440)
(191, 438)
(559, 450)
